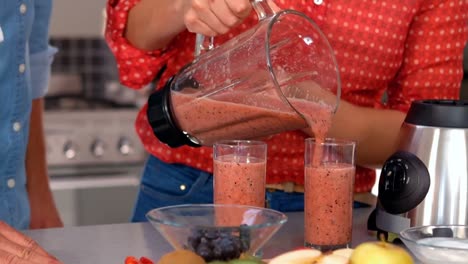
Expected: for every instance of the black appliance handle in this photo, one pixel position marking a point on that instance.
(404, 183)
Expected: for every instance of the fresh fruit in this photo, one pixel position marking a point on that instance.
(332, 259)
(181, 256)
(301, 256)
(380, 253)
(223, 245)
(251, 258)
(145, 260)
(131, 260)
(244, 261)
(345, 252)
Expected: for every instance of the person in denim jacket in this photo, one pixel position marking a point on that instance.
(25, 197)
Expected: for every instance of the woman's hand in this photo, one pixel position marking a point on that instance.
(16, 248)
(215, 17)
(153, 24)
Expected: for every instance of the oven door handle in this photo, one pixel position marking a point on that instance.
(93, 182)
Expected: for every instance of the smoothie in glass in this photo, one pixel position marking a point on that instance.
(239, 180)
(239, 172)
(328, 200)
(328, 204)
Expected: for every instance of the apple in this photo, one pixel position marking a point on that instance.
(300, 256)
(380, 253)
(344, 252)
(333, 259)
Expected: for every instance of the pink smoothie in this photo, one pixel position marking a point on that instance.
(244, 116)
(328, 204)
(239, 181)
(318, 117)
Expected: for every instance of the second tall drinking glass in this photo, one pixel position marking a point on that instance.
(329, 185)
(239, 172)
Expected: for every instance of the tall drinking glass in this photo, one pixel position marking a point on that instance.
(239, 172)
(329, 184)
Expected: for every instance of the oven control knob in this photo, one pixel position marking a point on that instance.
(125, 146)
(70, 150)
(98, 147)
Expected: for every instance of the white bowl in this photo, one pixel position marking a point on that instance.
(447, 244)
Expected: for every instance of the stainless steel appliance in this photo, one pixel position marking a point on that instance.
(426, 181)
(94, 159)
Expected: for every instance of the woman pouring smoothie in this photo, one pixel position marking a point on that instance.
(405, 50)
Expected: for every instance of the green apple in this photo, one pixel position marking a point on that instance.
(245, 261)
(380, 253)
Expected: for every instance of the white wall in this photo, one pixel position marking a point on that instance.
(77, 18)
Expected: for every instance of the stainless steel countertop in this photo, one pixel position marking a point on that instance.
(110, 244)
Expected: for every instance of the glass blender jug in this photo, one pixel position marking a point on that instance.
(255, 85)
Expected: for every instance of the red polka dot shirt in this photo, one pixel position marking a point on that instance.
(407, 49)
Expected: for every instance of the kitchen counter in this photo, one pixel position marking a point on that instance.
(110, 244)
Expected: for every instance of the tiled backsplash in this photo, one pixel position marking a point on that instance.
(91, 63)
(89, 58)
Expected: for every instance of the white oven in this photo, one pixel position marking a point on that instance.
(95, 161)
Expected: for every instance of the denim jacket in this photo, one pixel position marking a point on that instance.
(25, 59)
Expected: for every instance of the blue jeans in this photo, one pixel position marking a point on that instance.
(166, 184)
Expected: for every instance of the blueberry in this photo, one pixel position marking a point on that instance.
(231, 252)
(238, 244)
(198, 233)
(194, 238)
(211, 234)
(225, 245)
(224, 242)
(229, 247)
(205, 252)
(193, 242)
(218, 253)
(225, 233)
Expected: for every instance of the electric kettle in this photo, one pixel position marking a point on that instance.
(260, 83)
(426, 181)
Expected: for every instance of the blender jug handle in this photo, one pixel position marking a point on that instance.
(201, 45)
(261, 7)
